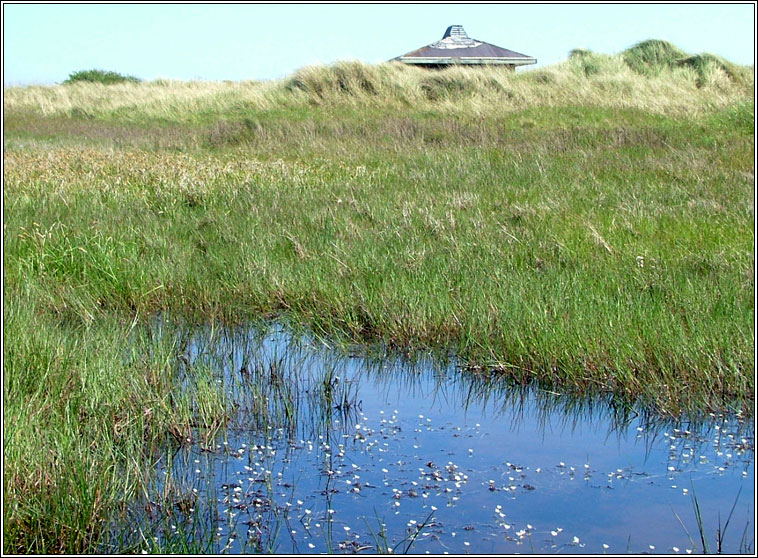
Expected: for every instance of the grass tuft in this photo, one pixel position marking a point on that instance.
(652, 56)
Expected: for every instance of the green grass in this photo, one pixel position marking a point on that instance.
(594, 244)
(583, 226)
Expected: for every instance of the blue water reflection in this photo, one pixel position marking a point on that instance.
(354, 454)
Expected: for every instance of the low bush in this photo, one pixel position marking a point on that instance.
(100, 76)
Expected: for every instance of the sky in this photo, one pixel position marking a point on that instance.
(43, 43)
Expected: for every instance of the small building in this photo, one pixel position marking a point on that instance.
(456, 47)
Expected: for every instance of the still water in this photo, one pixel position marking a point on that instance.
(328, 452)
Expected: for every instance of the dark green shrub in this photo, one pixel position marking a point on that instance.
(100, 76)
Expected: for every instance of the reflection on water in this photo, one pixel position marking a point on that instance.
(325, 452)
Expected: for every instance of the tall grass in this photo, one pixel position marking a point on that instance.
(605, 256)
(652, 56)
(539, 241)
(83, 408)
(653, 76)
(582, 225)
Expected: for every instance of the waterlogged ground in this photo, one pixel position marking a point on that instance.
(336, 453)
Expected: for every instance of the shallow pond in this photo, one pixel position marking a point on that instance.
(328, 452)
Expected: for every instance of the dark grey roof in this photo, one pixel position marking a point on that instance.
(456, 47)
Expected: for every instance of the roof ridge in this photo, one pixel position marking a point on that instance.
(455, 37)
(455, 31)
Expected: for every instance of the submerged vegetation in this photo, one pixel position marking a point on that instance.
(587, 226)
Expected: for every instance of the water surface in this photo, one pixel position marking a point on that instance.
(329, 452)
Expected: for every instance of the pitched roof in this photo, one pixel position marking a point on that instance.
(456, 47)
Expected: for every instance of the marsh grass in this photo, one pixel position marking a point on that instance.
(591, 255)
(117, 394)
(382, 544)
(582, 226)
(745, 545)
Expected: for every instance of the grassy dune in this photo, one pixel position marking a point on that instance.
(588, 226)
(640, 78)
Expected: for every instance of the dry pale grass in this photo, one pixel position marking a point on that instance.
(588, 79)
(158, 99)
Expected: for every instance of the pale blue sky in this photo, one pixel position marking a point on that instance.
(44, 43)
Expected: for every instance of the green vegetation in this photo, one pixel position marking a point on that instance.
(583, 225)
(745, 545)
(100, 76)
(652, 56)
